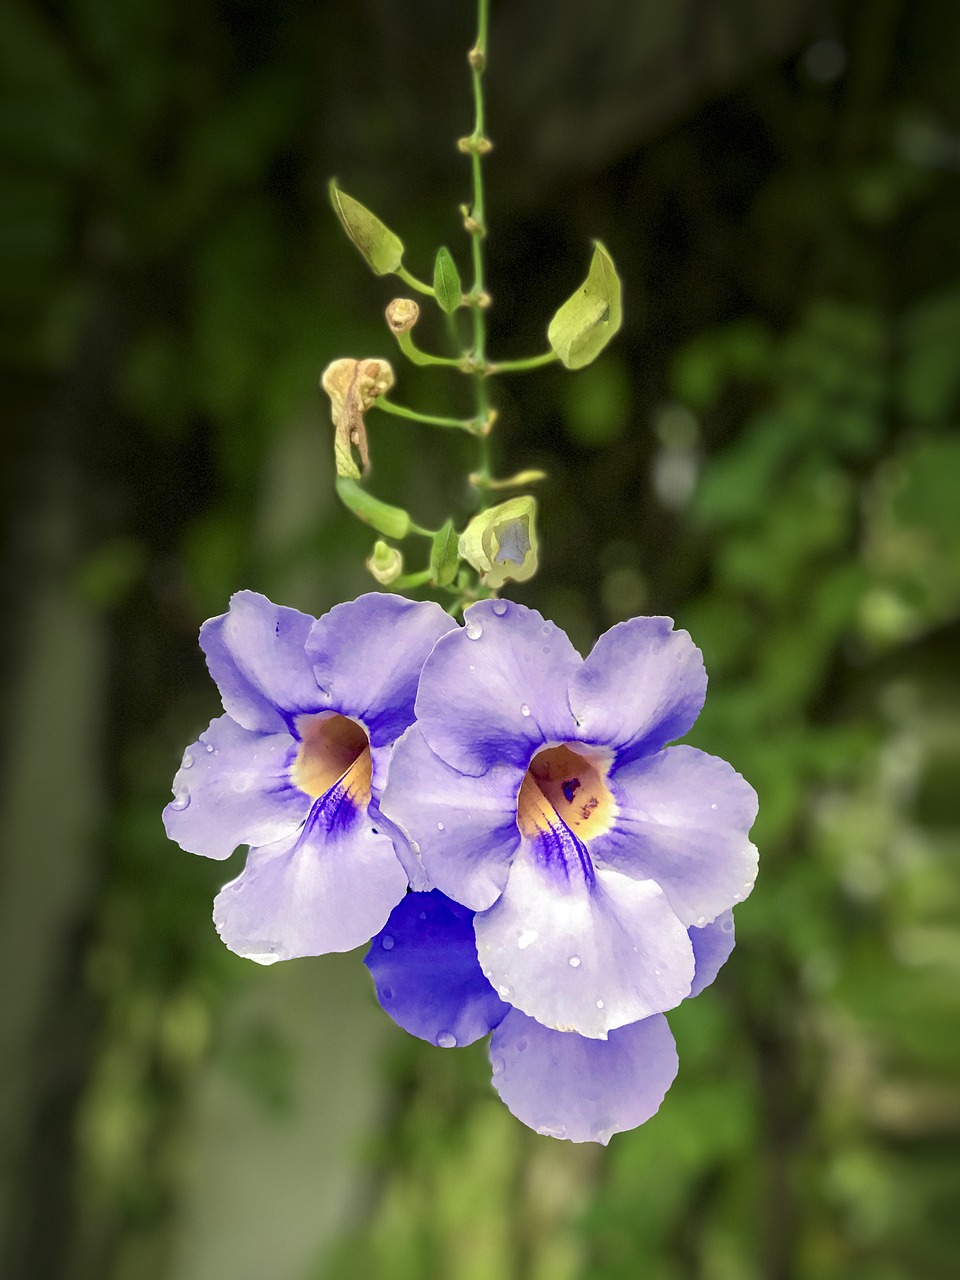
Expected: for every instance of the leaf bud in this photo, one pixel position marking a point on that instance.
(392, 522)
(501, 543)
(402, 315)
(385, 563)
(590, 317)
(381, 249)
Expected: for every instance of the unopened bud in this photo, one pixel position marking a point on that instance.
(402, 315)
(385, 563)
(501, 543)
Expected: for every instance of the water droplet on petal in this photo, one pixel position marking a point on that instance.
(473, 629)
(701, 921)
(599, 1004)
(414, 846)
(386, 993)
(497, 1064)
(737, 897)
(500, 608)
(505, 992)
(574, 962)
(386, 942)
(210, 748)
(180, 801)
(545, 629)
(439, 826)
(524, 710)
(446, 1041)
(526, 938)
(187, 761)
(657, 972)
(727, 926)
(522, 1044)
(546, 649)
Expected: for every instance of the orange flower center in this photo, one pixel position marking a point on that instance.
(333, 748)
(566, 782)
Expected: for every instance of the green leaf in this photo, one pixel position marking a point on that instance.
(446, 282)
(392, 522)
(444, 557)
(588, 320)
(381, 249)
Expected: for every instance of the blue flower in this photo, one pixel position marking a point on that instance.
(428, 978)
(296, 767)
(544, 798)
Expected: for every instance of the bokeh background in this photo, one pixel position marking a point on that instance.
(769, 452)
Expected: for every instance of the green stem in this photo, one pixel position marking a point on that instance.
(420, 285)
(423, 358)
(518, 366)
(411, 580)
(477, 228)
(399, 411)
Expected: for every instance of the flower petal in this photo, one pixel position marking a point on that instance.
(233, 788)
(566, 1086)
(465, 827)
(424, 964)
(642, 686)
(330, 888)
(495, 690)
(367, 656)
(580, 953)
(256, 657)
(683, 821)
(712, 946)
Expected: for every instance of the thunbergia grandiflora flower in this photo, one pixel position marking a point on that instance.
(425, 968)
(296, 767)
(543, 796)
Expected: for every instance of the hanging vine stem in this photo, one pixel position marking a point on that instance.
(477, 145)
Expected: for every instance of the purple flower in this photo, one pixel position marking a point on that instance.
(296, 767)
(425, 968)
(543, 797)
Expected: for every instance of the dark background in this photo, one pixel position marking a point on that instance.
(768, 452)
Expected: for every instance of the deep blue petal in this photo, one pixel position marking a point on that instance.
(424, 964)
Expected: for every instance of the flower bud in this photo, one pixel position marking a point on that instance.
(590, 317)
(381, 249)
(352, 386)
(385, 563)
(501, 543)
(402, 315)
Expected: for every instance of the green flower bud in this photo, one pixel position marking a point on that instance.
(385, 563)
(588, 320)
(501, 543)
(381, 249)
(402, 314)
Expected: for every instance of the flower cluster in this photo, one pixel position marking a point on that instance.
(505, 820)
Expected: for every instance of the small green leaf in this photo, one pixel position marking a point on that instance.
(444, 557)
(446, 282)
(392, 522)
(588, 320)
(381, 249)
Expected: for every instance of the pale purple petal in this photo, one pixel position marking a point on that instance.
(495, 690)
(465, 827)
(712, 946)
(683, 818)
(330, 888)
(578, 952)
(367, 656)
(566, 1086)
(233, 788)
(642, 686)
(409, 856)
(256, 656)
(424, 964)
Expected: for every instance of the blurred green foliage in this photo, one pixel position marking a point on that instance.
(769, 451)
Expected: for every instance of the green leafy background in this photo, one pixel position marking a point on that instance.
(768, 452)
